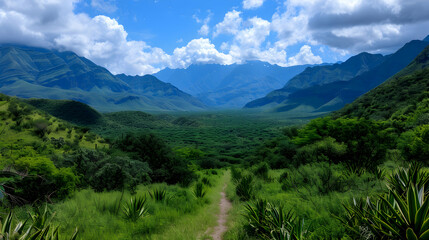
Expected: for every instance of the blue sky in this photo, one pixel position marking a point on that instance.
(145, 36)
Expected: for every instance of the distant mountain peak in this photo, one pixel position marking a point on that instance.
(426, 39)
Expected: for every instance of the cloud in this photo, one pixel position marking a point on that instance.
(105, 6)
(305, 56)
(353, 25)
(252, 4)
(198, 51)
(205, 29)
(230, 24)
(103, 40)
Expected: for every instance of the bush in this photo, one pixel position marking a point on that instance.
(109, 177)
(43, 179)
(261, 170)
(244, 188)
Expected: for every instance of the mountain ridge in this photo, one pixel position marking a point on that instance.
(229, 86)
(30, 72)
(333, 96)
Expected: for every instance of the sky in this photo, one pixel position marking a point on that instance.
(138, 37)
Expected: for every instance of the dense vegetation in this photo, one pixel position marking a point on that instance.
(360, 173)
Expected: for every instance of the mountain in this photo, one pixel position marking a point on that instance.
(401, 94)
(230, 86)
(426, 38)
(333, 96)
(320, 75)
(29, 72)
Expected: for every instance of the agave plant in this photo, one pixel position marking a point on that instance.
(32, 233)
(159, 195)
(403, 213)
(199, 191)
(11, 232)
(271, 222)
(400, 181)
(135, 209)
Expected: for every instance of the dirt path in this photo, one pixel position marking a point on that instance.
(224, 206)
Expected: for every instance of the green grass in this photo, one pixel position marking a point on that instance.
(182, 217)
(306, 201)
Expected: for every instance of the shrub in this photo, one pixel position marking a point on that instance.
(41, 127)
(261, 170)
(244, 188)
(109, 177)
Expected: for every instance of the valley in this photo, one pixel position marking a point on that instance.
(103, 136)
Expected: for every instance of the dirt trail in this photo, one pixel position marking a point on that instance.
(221, 228)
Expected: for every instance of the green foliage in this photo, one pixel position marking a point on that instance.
(151, 149)
(107, 205)
(244, 187)
(105, 172)
(403, 213)
(40, 229)
(414, 144)
(108, 177)
(135, 209)
(42, 179)
(199, 190)
(261, 170)
(159, 195)
(271, 222)
(365, 140)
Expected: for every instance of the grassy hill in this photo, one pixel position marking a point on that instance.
(23, 125)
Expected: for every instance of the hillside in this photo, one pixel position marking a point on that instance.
(229, 86)
(68, 110)
(335, 95)
(23, 125)
(29, 72)
(404, 93)
(320, 75)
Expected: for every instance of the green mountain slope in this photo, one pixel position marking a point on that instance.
(28, 72)
(333, 96)
(405, 93)
(320, 75)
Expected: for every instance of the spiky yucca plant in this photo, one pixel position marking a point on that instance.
(159, 195)
(270, 222)
(43, 231)
(135, 209)
(403, 213)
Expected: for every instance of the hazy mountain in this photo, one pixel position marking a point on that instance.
(333, 96)
(230, 86)
(401, 94)
(320, 75)
(40, 73)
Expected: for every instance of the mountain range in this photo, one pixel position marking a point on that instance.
(230, 86)
(29, 72)
(328, 88)
(402, 94)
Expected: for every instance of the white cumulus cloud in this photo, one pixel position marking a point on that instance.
(305, 56)
(251, 4)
